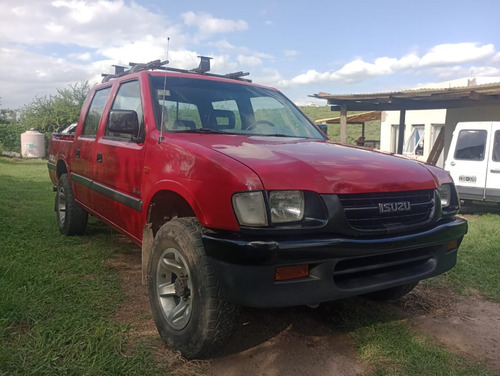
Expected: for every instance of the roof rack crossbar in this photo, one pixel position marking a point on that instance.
(203, 68)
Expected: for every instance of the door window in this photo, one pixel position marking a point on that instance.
(496, 147)
(471, 145)
(95, 112)
(128, 98)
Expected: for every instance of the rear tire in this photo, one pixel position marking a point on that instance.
(393, 293)
(188, 308)
(71, 218)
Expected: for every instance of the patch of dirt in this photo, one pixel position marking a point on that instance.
(303, 341)
(468, 326)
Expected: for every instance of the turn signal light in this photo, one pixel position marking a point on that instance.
(452, 244)
(284, 273)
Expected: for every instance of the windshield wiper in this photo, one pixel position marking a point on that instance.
(200, 130)
(275, 135)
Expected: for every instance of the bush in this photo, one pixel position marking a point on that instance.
(10, 136)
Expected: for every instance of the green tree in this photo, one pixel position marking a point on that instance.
(49, 113)
(10, 130)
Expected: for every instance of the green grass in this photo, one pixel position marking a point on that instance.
(478, 262)
(56, 296)
(354, 131)
(56, 292)
(394, 349)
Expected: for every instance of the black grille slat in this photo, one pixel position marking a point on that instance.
(362, 210)
(381, 265)
(363, 271)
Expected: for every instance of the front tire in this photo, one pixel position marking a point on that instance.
(188, 308)
(71, 218)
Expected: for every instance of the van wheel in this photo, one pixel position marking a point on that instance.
(393, 293)
(71, 218)
(188, 308)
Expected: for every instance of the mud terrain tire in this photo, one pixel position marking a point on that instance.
(188, 308)
(71, 218)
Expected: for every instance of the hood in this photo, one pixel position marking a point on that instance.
(322, 166)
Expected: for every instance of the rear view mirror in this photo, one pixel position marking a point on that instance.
(123, 121)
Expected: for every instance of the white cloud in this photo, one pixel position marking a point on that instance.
(207, 24)
(445, 61)
(93, 24)
(290, 53)
(251, 61)
(456, 54)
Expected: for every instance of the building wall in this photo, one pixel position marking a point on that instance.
(428, 118)
(432, 118)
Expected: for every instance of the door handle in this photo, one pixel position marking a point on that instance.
(77, 153)
(99, 157)
(495, 170)
(453, 163)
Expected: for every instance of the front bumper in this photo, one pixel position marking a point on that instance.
(338, 267)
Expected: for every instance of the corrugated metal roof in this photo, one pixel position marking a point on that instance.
(355, 118)
(466, 96)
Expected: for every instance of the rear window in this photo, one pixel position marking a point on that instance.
(471, 145)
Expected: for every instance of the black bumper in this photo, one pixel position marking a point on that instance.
(339, 267)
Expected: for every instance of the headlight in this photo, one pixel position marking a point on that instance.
(444, 192)
(250, 208)
(286, 206)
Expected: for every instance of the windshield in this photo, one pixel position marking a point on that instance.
(208, 106)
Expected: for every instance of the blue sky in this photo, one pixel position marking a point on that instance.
(302, 48)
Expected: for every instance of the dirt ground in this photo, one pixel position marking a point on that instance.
(301, 341)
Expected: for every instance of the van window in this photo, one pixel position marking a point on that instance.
(496, 147)
(471, 145)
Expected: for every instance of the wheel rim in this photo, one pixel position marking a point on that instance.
(61, 205)
(174, 286)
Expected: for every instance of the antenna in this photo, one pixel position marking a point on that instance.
(164, 95)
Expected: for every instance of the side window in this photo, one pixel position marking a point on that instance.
(128, 97)
(471, 145)
(267, 109)
(180, 116)
(225, 116)
(95, 112)
(496, 147)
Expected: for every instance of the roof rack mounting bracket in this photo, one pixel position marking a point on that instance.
(204, 65)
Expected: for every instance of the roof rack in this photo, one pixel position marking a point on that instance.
(202, 69)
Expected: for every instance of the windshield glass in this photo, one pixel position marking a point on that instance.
(207, 106)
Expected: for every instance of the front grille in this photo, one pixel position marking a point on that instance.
(365, 271)
(390, 211)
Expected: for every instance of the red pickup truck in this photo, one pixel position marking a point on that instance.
(237, 198)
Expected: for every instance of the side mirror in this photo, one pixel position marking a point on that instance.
(324, 128)
(123, 121)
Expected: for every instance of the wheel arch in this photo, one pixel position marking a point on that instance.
(164, 205)
(61, 168)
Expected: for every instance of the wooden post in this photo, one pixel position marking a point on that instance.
(401, 136)
(343, 124)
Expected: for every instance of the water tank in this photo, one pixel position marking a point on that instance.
(32, 144)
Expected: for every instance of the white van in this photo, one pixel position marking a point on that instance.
(474, 160)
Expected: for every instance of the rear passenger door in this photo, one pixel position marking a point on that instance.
(119, 165)
(493, 171)
(82, 160)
